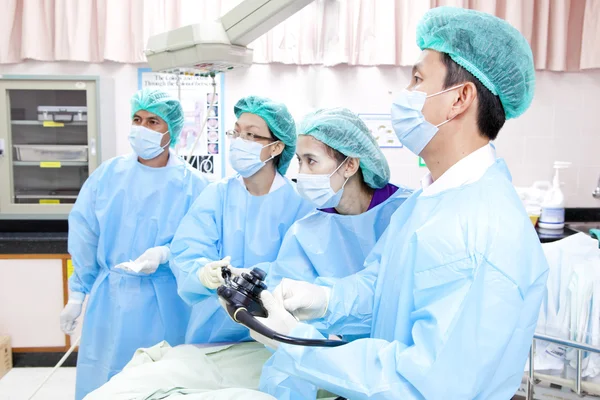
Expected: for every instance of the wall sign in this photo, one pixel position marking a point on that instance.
(199, 103)
(380, 126)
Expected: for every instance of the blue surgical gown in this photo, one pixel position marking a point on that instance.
(323, 245)
(229, 221)
(123, 209)
(450, 296)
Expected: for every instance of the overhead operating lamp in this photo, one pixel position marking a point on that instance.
(213, 47)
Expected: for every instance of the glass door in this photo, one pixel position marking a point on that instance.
(50, 146)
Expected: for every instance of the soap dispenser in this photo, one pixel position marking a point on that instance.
(553, 206)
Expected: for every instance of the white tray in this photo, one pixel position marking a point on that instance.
(62, 114)
(42, 194)
(39, 153)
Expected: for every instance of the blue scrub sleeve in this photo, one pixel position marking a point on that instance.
(457, 343)
(196, 243)
(292, 262)
(350, 308)
(84, 231)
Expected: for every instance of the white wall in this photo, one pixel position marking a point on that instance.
(560, 125)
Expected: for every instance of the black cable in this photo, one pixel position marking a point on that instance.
(245, 318)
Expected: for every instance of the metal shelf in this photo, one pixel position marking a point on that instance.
(62, 163)
(40, 123)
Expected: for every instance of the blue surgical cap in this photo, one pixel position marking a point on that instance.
(162, 104)
(488, 47)
(278, 119)
(344, 131)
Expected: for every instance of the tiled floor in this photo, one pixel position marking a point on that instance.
(20, 383)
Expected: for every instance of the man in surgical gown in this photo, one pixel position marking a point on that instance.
(242, 218)
(129, 209)
(451, 293)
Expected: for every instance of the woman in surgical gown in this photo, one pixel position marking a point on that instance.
(243, 218)
(129, 209)
(345, 174)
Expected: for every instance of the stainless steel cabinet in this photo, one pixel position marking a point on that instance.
(48, 140)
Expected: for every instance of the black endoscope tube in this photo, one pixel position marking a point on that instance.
(245, 318)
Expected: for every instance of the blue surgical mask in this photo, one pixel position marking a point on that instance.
(146, 142)
(410, 126)
(316, 188)
(244, 156)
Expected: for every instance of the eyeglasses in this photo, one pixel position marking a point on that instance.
(248, 136)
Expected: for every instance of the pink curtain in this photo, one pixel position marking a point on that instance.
(82, 30)
(564, 34)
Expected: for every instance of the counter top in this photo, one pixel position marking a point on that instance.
(56, 242)
(33, 237)
(33, 243)
(50, 236)
(552, 235)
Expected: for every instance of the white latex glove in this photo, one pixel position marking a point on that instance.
(211, 275)
(304, 300)
(278, 320)
(152, 258)
(72, 311)
(148, 262)
(223, 304)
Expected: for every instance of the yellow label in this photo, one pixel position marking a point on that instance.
(50, 164)
(49, 201)
(52, 124)
(69, 268)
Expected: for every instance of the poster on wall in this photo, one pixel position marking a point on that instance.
(199, 104)
(380, 126)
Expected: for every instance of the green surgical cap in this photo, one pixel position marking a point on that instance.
(278, 119)
(162, 104)
(488, 47)
(344, 131)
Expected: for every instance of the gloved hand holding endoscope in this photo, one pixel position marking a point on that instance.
(303, 300)
(279, 320)
(210, 275)
(241, 298)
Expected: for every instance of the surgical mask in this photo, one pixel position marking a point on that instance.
(146, 142)
(244, 156)
(316, 188)
(408, 121)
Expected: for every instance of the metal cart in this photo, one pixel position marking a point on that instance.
(578, 386)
